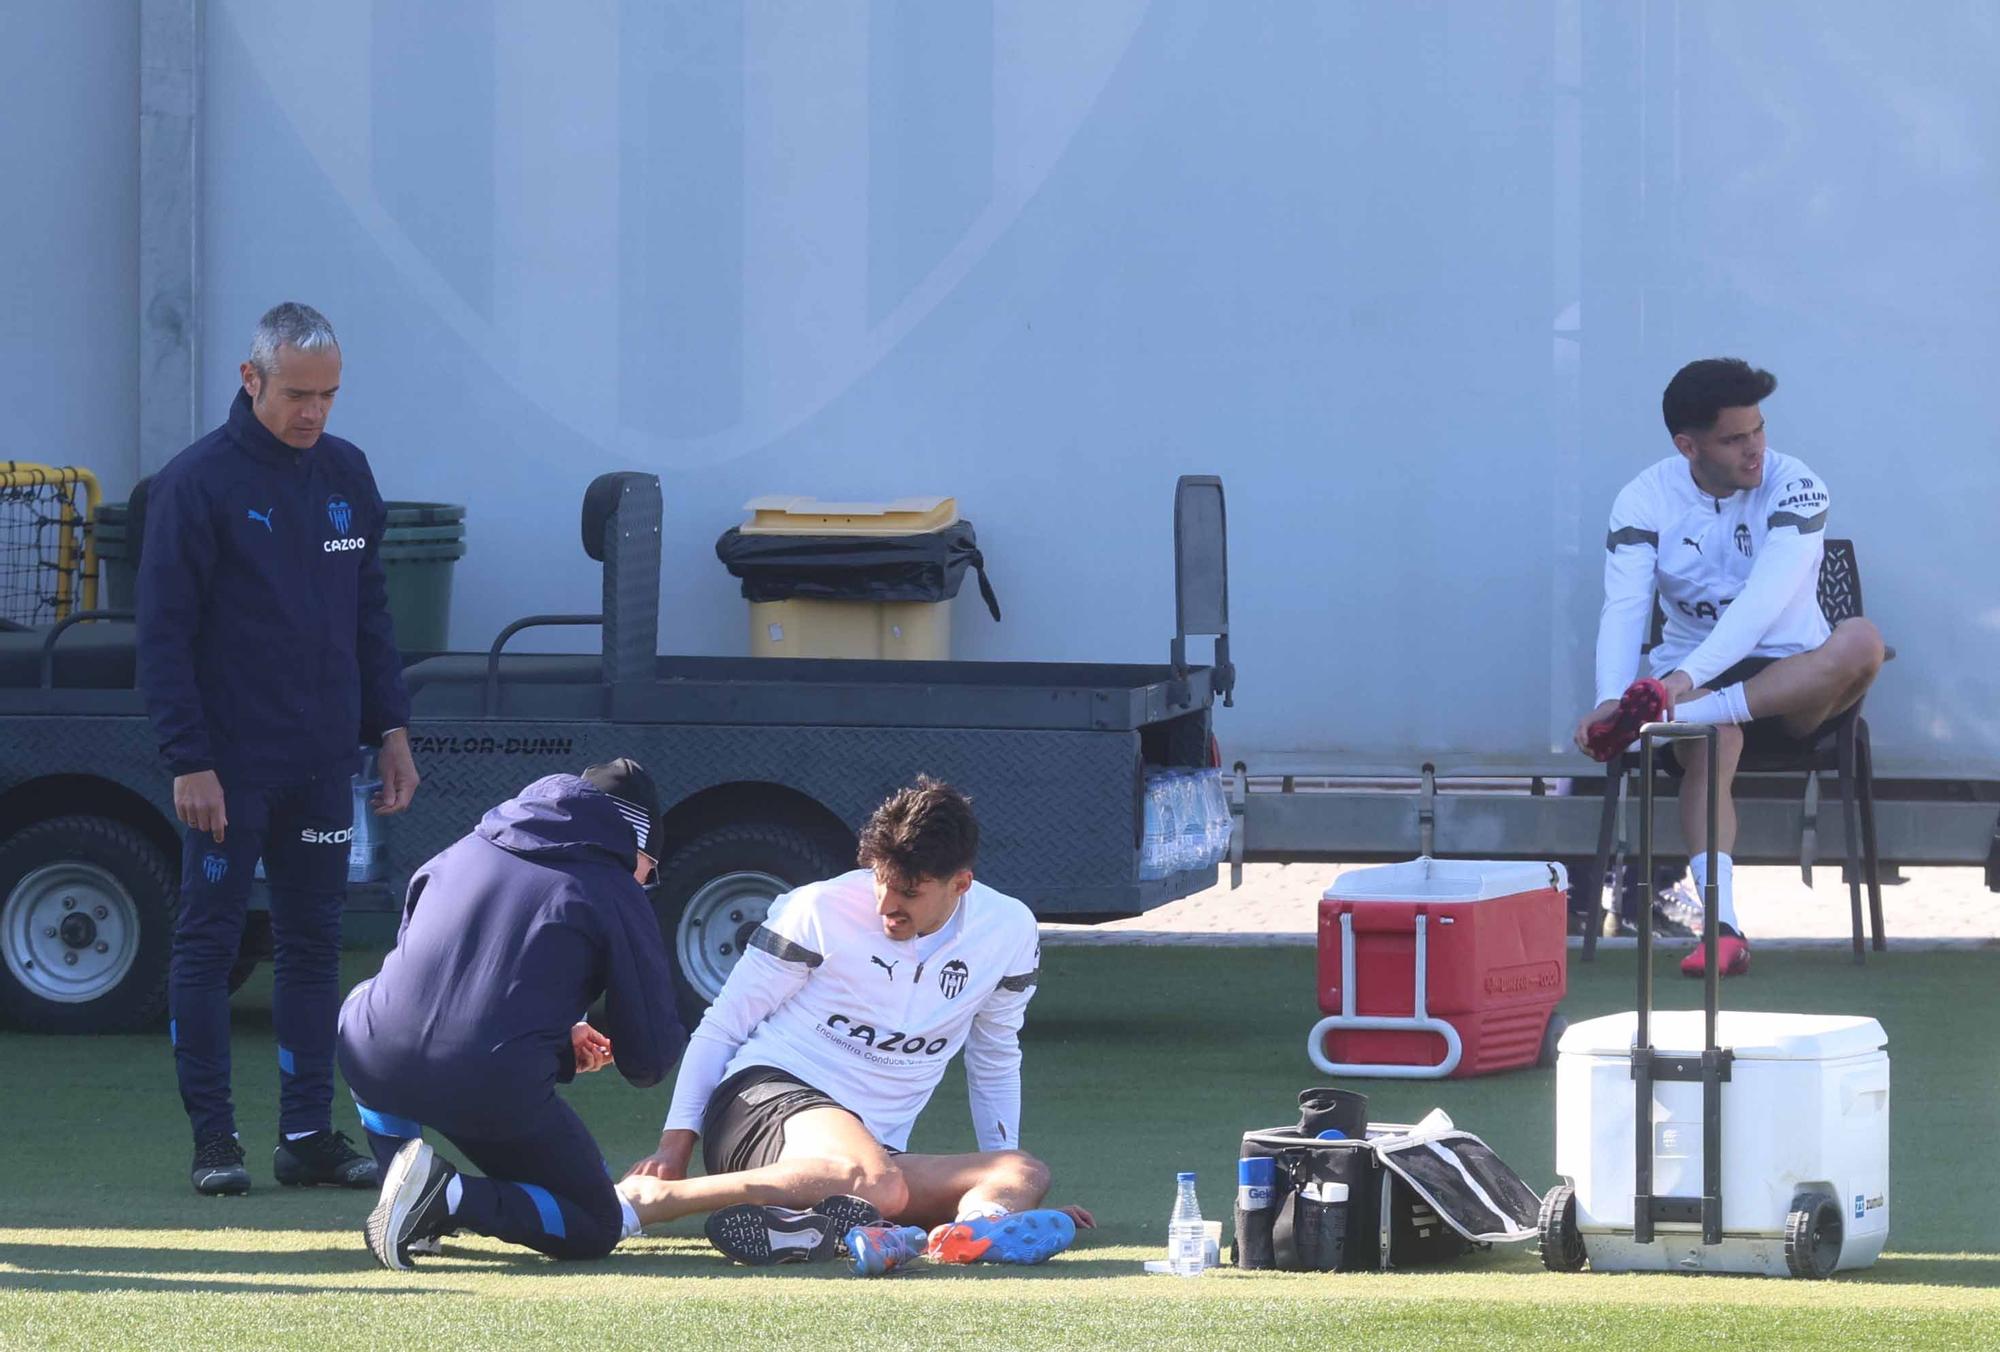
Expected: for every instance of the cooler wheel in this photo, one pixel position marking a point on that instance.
(1551, 1035)
(1561, 1244)
(1813, 1233)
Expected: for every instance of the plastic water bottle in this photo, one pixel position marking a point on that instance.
(1217, 800)
(1193, 852)
(1187, 1237)
(1155, 845)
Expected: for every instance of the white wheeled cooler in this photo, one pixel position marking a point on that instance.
(1716, 1140)
(1804, 1143)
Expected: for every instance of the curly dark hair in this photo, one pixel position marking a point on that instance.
(1699, 392)
(924, 831)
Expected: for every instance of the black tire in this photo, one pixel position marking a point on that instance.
(717, 888)
(109, 894)
(1561, 1243)
(1814, 1231)
(1551, 1035)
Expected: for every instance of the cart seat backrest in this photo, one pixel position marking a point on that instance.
(621, 530)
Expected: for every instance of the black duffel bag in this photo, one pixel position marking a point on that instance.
(1357, 1196)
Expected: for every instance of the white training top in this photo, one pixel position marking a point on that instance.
(1737, 576)
(824, 995)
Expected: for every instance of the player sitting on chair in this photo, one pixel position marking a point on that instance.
(832, 1031)
(1730, 534)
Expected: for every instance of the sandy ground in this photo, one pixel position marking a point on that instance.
(1935, 907)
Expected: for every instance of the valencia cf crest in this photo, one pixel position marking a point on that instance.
(952, 979)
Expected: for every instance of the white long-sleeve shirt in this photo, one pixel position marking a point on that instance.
(1737, 577)
(824, 995)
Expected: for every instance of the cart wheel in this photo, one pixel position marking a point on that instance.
(1561, 1245)
(1551, 1035)
(1813, 1233)
(716, 890)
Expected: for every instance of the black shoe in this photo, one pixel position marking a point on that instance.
(218, 1166)
(760, 1236)
(323, 1159)
(846, 1211)
(412, 1206)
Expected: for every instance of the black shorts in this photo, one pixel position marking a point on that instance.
(744, 1124)
(1761, 736)
(1767, 736)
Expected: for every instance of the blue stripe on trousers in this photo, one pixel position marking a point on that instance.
(546, 1208)
(387, 1124)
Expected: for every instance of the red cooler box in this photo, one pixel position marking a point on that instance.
(1441, 967)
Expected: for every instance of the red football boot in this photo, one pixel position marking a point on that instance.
(1644, 701)
(1735, 952)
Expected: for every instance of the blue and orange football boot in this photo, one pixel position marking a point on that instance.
(1017, 1237)
(879, 1249)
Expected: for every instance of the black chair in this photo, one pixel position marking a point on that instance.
(1841, 747)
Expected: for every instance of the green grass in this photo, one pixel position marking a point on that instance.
(1139, 1062)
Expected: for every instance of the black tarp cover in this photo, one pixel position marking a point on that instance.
(925, 567)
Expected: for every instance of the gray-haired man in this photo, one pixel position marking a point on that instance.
(267, 658)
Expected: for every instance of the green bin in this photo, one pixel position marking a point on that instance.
(419, 546)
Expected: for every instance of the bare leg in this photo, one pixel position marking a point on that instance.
(1694, 791)
(945, 1187)
(1806, 690)
(827, 1151)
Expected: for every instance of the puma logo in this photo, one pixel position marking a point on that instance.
(263, 516)
(1695, 543)
(888, 968)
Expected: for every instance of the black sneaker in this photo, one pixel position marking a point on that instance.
(847, 1211)
(412, 1207)
(323, 1159)
(759, 1236)
(218, 1166)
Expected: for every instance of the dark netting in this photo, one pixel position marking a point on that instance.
(41, 554)
(1484, 1203)
(1502, 1184)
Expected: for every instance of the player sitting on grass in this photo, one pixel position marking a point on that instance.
(832, 1032)
(507, 937)
(1730, 534)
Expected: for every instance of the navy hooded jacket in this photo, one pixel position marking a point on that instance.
(265, 646)
(507, 937)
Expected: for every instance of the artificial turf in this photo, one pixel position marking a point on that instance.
(1139, 1062)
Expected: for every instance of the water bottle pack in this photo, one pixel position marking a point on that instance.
(1187, 823)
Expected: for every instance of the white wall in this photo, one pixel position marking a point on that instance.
(69, 253)
(1409, 277)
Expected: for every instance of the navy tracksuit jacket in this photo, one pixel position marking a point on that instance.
(507, 937)
(266, 655)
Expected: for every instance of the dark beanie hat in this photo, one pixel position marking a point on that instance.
(631, 788)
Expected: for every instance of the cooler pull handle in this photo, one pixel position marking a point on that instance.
(1419, 1020)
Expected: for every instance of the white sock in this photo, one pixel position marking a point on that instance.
(632, 1226)
(454, 1191)
(981, 1211)
(1725, 889)
(1720, 706)
(299, 1135)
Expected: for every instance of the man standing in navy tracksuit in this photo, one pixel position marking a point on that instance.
(476, 1016)
(267, 658)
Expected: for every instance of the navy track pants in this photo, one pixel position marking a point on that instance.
(548, 1189)
(301, 831)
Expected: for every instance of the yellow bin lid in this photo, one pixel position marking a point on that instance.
(781, 514)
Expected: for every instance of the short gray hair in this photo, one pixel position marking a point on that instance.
(289, 325)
